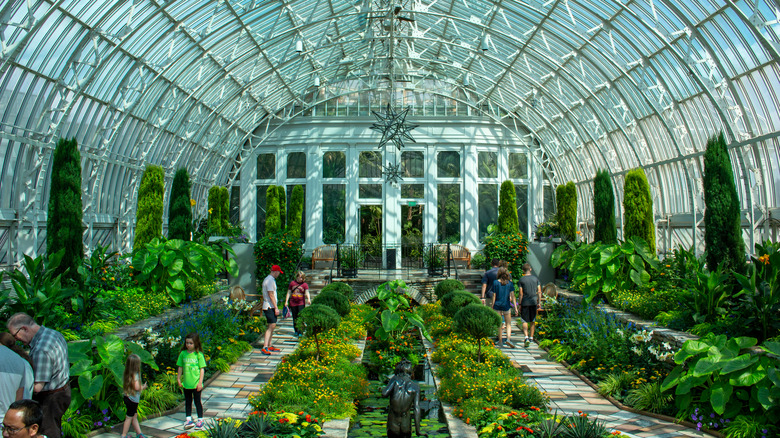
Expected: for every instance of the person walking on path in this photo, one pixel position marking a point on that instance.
(530, 292)
(297, 297)
(49, 353)
(192, 366)
(23, 420)
(270, 308)
(131, 384)
(504, 303)
(488, 278)
(16, 378)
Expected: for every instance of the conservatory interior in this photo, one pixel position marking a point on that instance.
(161, 160)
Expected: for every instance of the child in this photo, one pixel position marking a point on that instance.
(504, 303)
(192, 365)
(132, 388)
(298, 297)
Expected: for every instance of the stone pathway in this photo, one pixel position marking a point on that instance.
(569, 394)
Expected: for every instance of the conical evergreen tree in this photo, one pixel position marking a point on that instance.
(605, 230)
(224, 209)
(722, 227)
(273, 223)
(638, 208)
(281, 194)
(507, 209)
(149, 214)
(63, 223)
(296, 211)
(566, 199)
(179, 207)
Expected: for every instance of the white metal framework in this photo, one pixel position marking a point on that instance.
(590, 84)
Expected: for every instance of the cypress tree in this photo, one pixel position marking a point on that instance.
(722, 228)
(296, 211)
(150, 206)
(281, 195)
(638, 208)
(179, 207)
(224, 209)
(566, 199)
(273, 222)
(215, 207)
(63, 223)
(605, 230)
(507, 210)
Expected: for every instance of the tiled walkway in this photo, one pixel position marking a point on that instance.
(569, 394)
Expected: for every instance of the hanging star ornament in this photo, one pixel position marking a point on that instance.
(393, 127)
(392, 173)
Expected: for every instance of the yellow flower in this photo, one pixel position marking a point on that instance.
(764, 259)
(192, 202)
(210, 210)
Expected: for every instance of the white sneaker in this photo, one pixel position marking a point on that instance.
(189, 424)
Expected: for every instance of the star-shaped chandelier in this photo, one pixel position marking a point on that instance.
(392, 173)
(393, 127)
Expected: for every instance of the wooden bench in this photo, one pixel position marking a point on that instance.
(459, 254)
(323, 253)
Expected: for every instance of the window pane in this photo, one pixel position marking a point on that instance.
(370, 164)
(303, 212)
(412, 190)
(412, 164)
(266, 166)
(449, 213)
(370, 191)
(518, 166)
(448, 163)
(488, 207)
(235, 205)
(488, 165)
(334, 202)
(549, 202)
(521, 196)
(260, 209)
(334, 165)
(296, 165)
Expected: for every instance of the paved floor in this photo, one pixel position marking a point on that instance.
(226, 396)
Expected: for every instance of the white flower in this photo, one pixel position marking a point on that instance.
(636, 351)
(620, 333)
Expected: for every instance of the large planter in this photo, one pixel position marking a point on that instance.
(349, 272)
(245, 258)
(436, 272)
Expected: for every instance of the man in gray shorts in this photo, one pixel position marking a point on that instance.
(530, 292)
(270, 308)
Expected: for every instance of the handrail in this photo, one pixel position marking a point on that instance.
(449, 257)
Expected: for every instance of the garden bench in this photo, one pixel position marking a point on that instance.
(459, 254)
(323, 253)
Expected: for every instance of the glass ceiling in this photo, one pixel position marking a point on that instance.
(598, 84)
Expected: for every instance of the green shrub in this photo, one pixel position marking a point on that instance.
(478, 261)
(281, 196)
(513, 248)
(180, 207)
(649, 397)
(507, 209)
(645, 304)
(605, 230)
(333, 299)
(477, 321)
(150, 206)
(197, 289)
(638, 208)
(722, 218)
(446, 286)
(281, 249)
(615, 383)
(675, 319)
(316, 319)
(342, 288)
(273, 220)
(63, 221)
(566, 200)
(455, 300)
(219, 211)
(296, 211)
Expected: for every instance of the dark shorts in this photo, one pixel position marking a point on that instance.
(132, 407)
(528, 313)
(270, 315)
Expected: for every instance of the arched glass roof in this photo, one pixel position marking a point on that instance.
(597, 84)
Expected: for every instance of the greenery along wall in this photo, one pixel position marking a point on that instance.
(219, 210)
(273, 221)
(64, 230)
(296, 212)
(180, 207)
(150, 206)
(722, 229)
(566, 198)
(605, 230)
(638, 208)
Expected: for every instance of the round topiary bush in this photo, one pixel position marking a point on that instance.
(455, 300)
(342, 288)
(318, 318)
(333, 299)
(447, 286)
(477, 321)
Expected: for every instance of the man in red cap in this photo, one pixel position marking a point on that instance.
(270, 309)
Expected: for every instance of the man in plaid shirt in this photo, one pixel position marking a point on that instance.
(49, 353)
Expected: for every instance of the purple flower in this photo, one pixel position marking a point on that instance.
(99, 423)
(105, 411)
(698, 426)
(711, 415)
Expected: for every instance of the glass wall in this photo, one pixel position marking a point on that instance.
(487, 199)
(448, 213)
(334, 203)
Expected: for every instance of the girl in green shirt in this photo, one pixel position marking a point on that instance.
(192, 365)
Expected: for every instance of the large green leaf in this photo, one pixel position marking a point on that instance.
(672, 379)
(719, 395)
(168, 257)
(738, 363)
(772, 347)
(178, 283)
(390, 320)
(89, 385)
(175, 267)
(765, 398)
(594, 275)
(774, 376)
(195, 259)
(608, 254)
(640, 278)
(706, 366)
(636, 262)
(78, 351)
(83, 366)
(688, 382)
(610, 283)
(749, 376)
(232, 267)
(110, 348)
(177, 295)
(146, 357)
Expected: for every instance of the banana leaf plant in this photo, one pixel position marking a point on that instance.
(601, 268)
(169, 264)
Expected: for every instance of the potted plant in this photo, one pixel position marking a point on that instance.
(434, 260)
(350, 258)
(548, 230)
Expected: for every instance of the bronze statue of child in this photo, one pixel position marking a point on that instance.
(404, 394)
